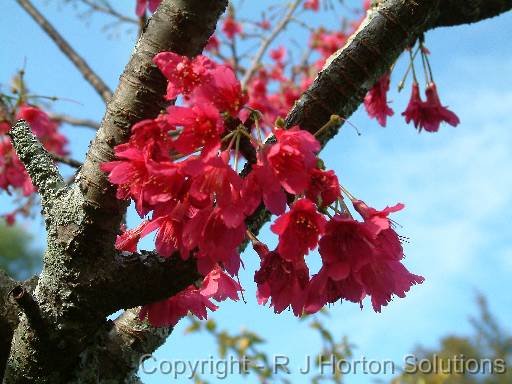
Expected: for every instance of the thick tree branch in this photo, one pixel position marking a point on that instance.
(350, 72)
(93, 79)
(141, 278)
(38, 162)
(181, 26)
(117, 355)
(73, 289)
(8, 319)
(30, 308)
(456, 12)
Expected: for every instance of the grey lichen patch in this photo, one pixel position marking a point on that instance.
(38, 163)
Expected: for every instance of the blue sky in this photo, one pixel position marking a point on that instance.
(456, 186)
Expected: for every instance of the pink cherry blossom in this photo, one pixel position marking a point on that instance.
(293, 157)
(283, 281)
(299, 230)
(168, 312)
(219, 286)
(376, 102)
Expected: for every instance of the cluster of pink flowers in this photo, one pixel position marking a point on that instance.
(427, 115)
(13, 175)
(180, 170)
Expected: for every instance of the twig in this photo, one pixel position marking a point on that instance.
(93, 79)
(76, 121)
(109, 10)
(30, 308)
(266, 43)
(66, 160)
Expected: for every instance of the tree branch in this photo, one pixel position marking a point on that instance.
(93, 79)
(65, 160)
(266, 42)
(125, 283)
(8, 319)
(118, 354)
(29, 307)
(107, 9)
(75, 121)
(456, 12)
(181, 26)
(38, 162)
(85, 218)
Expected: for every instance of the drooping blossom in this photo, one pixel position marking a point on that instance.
(219, 286)
(202, 126)
(168, 312)
(323, 188)
(215, 180)
(377, 220)
(298, 230)
(10, 218)
(153, 133)
(231, 28)
(213, 44)
(435, 112)
(152, 5)
(216, 242)
(278, 54)
(380, 225)
(183, 74)
(168, 219)
(129, 173)
(282, 281)
(382, 278)
(346, 245)
(223, 90)
(129, 239)
(359, 261)
(415, 110)
(262, 184)
(376, 101)
(293, 157)
(330, 285)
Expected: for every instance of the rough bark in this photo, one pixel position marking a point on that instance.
(84, 278)
(456, 12)
(82, 220)
(181, 26)
(8, 319)
(117, 354)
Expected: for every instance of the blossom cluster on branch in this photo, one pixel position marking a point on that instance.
(180, 169)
